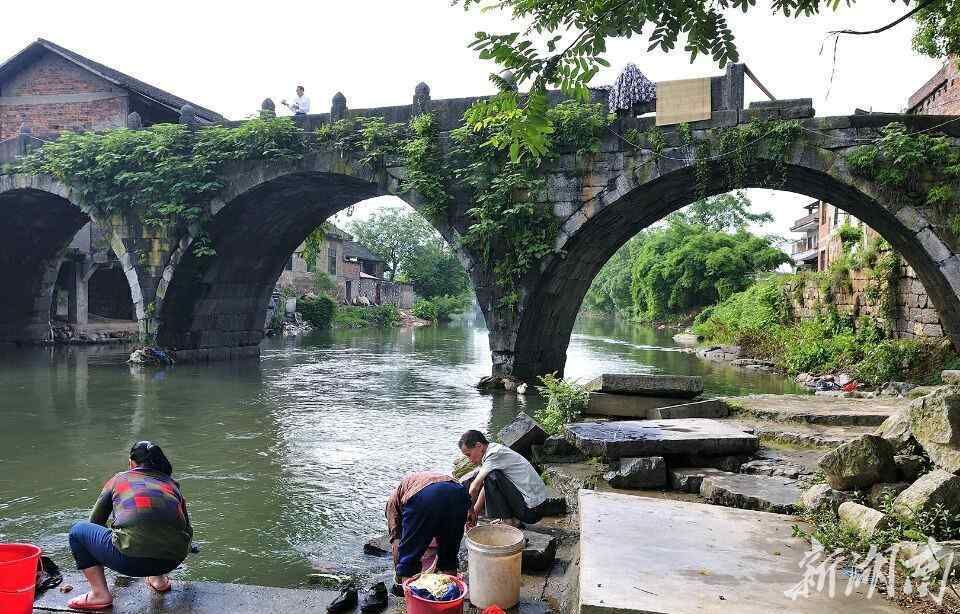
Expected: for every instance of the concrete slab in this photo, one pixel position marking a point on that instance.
(133, 596)
(656, 556)
(625, 405)
(676, 386)
(751, 492)
(812, 409)
(707, 408)
(685, 436)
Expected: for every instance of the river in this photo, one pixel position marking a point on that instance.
(286, 463)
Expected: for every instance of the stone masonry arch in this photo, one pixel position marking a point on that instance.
(39, 216)
(210, 308)
(613, 205)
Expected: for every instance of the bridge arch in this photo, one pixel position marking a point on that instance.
(635, 199)
(39, 217)
(214, 307)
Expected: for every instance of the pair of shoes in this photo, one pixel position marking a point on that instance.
(374, 600)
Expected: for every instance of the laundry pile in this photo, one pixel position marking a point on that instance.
(435, 587)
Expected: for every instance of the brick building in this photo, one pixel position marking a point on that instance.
(940, 95)
(47, 90)
(354, 269)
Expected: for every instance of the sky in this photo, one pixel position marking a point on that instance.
(230, 56)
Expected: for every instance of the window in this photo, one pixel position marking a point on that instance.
(289, 265)
(836, 217)
(332, 261)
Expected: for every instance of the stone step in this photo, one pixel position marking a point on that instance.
(188, 597)
(751, 492)
(811, 409)
(653, 408)
(641, 555)
(679, 437)
(676, 386)
(689, 479)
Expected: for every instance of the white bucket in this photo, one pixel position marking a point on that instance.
(494, 552)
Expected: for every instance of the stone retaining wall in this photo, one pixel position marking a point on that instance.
(915, 315)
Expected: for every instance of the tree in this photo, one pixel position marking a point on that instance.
(726, 212)
(684, 267)
(565, 41)
(434, 271)
(394, 235)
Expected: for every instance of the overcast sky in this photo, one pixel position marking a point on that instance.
(229, 56)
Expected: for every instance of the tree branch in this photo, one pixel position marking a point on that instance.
(896, 22)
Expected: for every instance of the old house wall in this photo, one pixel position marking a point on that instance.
(52, 95)
(940, 95)
(914, 317)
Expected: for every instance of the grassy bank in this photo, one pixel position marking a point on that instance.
(760, 320)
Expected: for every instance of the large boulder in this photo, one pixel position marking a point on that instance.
(896, 430)
(522, 434)
(938, 487)
(860, 463)
(821, 496)
(863, 519)
(646, 472)
(935, 422)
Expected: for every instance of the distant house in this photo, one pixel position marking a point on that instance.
(354, 269)
(940, 95)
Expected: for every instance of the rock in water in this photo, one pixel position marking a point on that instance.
(860, 463)
(865, 520)
(378, 546)
(938, 487)
(647, 472)
(821, 496)
(896, 430)
(935, 422)
(521, 434)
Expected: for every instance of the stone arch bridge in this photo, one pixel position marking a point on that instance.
(599, 201)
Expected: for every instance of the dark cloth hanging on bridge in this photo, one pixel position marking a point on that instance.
(631, 88)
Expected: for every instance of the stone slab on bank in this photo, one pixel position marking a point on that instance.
(812, 409)
(751, 492)
(683, 436)
(652, 408)
(645, 555)
(133, 596)
(674, 386)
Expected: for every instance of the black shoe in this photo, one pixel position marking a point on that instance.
(375, 599)
(397, 590)
(345, 601)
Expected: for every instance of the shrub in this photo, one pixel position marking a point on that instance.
(361, 317)
(323, 283)
(440, 308)
(565, 402)
(888, 360)
(318, 311)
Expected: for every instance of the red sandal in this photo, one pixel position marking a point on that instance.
(83, 603)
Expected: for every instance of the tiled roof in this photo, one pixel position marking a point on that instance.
(116, 77)
(352, 249)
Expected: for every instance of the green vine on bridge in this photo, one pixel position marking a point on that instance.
(168, 172)
(920, 168)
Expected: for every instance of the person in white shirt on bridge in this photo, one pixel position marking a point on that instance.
(505, 485)
(301, 104)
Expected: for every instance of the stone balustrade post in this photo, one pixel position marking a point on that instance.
(338, 110)
(421, 99)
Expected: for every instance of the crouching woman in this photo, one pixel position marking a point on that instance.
(149, 535)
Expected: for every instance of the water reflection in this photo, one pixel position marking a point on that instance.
(286, 462)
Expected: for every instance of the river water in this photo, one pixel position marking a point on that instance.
(286, 463)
